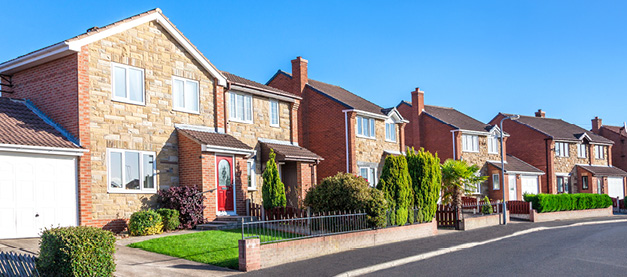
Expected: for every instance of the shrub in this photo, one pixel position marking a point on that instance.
(487, 206)
(76, 251)
(170, 218)
(544, 203)
(395, 183)
(188, 200)
(145, 223)
(347, 192)
(426, 178)
(273, 190)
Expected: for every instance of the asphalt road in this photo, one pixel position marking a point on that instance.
(589, 250)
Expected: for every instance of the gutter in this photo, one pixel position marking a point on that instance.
(346, 134)
(454, 149)
(42, 150)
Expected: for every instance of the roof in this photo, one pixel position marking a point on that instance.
(21, 125)
(289, 152)
(456, 119)
(604, 170)
(343, 96)
(559, 129)
(74, 44)
(616, 129)
(517, 165)
(237, 80)
(215, 139)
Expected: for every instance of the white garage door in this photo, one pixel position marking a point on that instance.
(36, 191)
(530, 184)
(615, 187)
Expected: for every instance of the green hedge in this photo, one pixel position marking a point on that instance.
(145, 223)
(76, 251)
(396, 185)
(170, 218)
(544, 203)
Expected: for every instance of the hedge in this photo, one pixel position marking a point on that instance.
(76, 251)
(426, 178)
(544, 203)
(145, 223)
(395, 183)
(170, 218)
(188, 200)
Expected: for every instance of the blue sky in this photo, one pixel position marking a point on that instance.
(568, 58)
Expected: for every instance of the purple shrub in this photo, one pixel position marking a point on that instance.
(188, 201)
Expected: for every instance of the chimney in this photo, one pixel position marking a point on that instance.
(596, 124)
(299, 75)
(418, 101)
(417, 106)
(540, 113)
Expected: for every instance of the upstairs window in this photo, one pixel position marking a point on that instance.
(561, 149)
(493, 144)
(241, 107)
(390, 132)
(185, 95)
(599, 152)
(128, 84)
(582, 150)
(365, 127)
(131, 171)
(274, 113)
(470, 143)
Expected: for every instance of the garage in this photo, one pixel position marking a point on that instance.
(615, 187)
(614, 175)
(529, 184)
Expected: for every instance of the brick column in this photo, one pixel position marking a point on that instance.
(294, 118)
(401, 136)
(249, 254)
(208, 172)
(219, 106)
(241, 184)
(351, 120)
(84, 162)
(550, 173)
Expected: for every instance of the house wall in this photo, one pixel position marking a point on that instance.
(260, 127)
(406, 111)
(371, 150)
(619, 149)
(436, 138)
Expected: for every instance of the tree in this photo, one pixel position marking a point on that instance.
(456, 177)
(396, 186)
(273, 188)
(426, 178)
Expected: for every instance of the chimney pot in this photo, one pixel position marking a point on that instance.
(540, 113)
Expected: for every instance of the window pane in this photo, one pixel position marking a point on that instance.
(475, 143)
(240, 107)
(249, 107)
(274, 112)
(191, 96)
(232, 106)
(136, 85)
(131, 166)
(373, 177)
(363, 172)
(115, 169)
(371, 127)
(359, 126)
(177, 94)
(149, 178)
(393, 130)
(251, 173)
(119, 75)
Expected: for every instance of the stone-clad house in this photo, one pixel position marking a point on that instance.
(617, 134)
(454, 135)
(351, 133)
(575, 160)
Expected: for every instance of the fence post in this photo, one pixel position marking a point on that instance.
(263, 213)
(247, 207)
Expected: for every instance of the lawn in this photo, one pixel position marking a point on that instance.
(217, 247)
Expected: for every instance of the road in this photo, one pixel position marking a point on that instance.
(587, 250)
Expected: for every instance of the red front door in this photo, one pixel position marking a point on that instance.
(225, 183)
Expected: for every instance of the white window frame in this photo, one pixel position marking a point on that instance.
(496, 185)
(141, 171)
(582, 150)
(390, 131)
(599, 152)
(565, 183)
(371, 127)
(185, 109)
(371, 172)
(562, 149)
(277, 114)
(493, 144)
(470, 143)
(127, 99)
(252, 167)
(233, 104)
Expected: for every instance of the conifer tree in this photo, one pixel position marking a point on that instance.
(273, 192)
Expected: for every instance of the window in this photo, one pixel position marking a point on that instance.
(241, 107)
(599, 152)
(185, 95)
(584, 182)
(274, 113)
(128, 84)
(131, 171)
(496, 183)
(600, 185)
(251, 173)
(493, 144)
(390, 131)
(470, 143)
(365, 127)
(562, 184)
(582, 150)
(370, 174)
(561, 149)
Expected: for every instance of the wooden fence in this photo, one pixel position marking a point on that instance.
(275, 213)
(447, 216)
(13, 264)
(519, 207)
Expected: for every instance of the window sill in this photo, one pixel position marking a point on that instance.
(392, 141)
(275, 126)
(241, 121)
(365, 137)
(252, 189)
(128, 101)
(131, 191)
(185, 111)
(468, 151)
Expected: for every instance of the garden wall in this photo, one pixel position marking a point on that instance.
(476, 222)
(253, 255)
(564, 215)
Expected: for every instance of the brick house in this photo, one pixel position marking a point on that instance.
(617, 134)
(575, 160)
(150, 110)
(351, 133)
(454, 135)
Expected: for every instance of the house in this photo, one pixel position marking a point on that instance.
(575, 160)
(454, 135)
(148, 108)
(351, 133)
(616, 134)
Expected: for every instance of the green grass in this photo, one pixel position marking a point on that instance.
(210, 247)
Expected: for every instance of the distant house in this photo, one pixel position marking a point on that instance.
(574, 159)
(351, 133)
(454, 135)
(617, 134)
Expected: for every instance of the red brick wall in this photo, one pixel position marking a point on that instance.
(406, 112)
(437, 138)
(618, 151)
(241, 184)
(84, 162)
